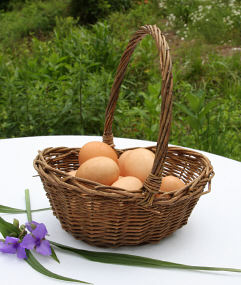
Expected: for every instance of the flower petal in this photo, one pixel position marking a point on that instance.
(7, 248)
(31, 225)
(11, 240)
(21, 253)
(40, 231)
(1, 245)
(10, 245)
(44, 248)
(28, 242)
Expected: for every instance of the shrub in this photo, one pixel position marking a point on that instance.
(9, 5)
(88, 12)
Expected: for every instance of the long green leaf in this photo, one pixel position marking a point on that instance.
(53, 255)
(33, 262)
(5, 209)
(185, 109)
(134, 260)
(28, 205)
(40, 210)
(10, 210)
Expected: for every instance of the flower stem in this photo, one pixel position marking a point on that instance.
(28, 206)
(33, 262)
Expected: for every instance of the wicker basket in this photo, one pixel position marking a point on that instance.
(107, 216)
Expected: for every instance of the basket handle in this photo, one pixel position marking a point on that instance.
(153, 181)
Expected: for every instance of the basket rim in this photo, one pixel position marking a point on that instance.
(91, 188)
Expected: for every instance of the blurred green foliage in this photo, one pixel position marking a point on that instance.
(58, 80)
(88, 12)
(32, 18)
(9, 5)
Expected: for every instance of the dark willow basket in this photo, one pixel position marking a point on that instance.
(108, 216)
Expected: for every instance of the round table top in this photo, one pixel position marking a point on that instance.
(211, 237)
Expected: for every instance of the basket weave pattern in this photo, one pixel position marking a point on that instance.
(108, 216)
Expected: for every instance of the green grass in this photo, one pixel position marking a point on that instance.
(59, 82)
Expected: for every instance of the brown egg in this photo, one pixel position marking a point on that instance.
(171, 183)
(100, 169)
(138, 163)
(72, 172)
(94, 149)
(152, 153)
(121, 161)
(129, 183)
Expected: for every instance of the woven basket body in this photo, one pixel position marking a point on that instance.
(110, 217)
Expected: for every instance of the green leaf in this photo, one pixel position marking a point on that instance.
(53, 255)
(194, 123)
(28, 206)
(10, 210)
(194, 102)
(40, 210)
(16, 223)
(33, 262)
(6, 228)
(134, 260)
(208, 107)
(5, 209)
(184, 109)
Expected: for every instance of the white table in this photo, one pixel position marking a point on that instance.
(212, 236)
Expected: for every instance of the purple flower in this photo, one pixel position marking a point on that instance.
(31, 225)
(13, 245)
(37, 239)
